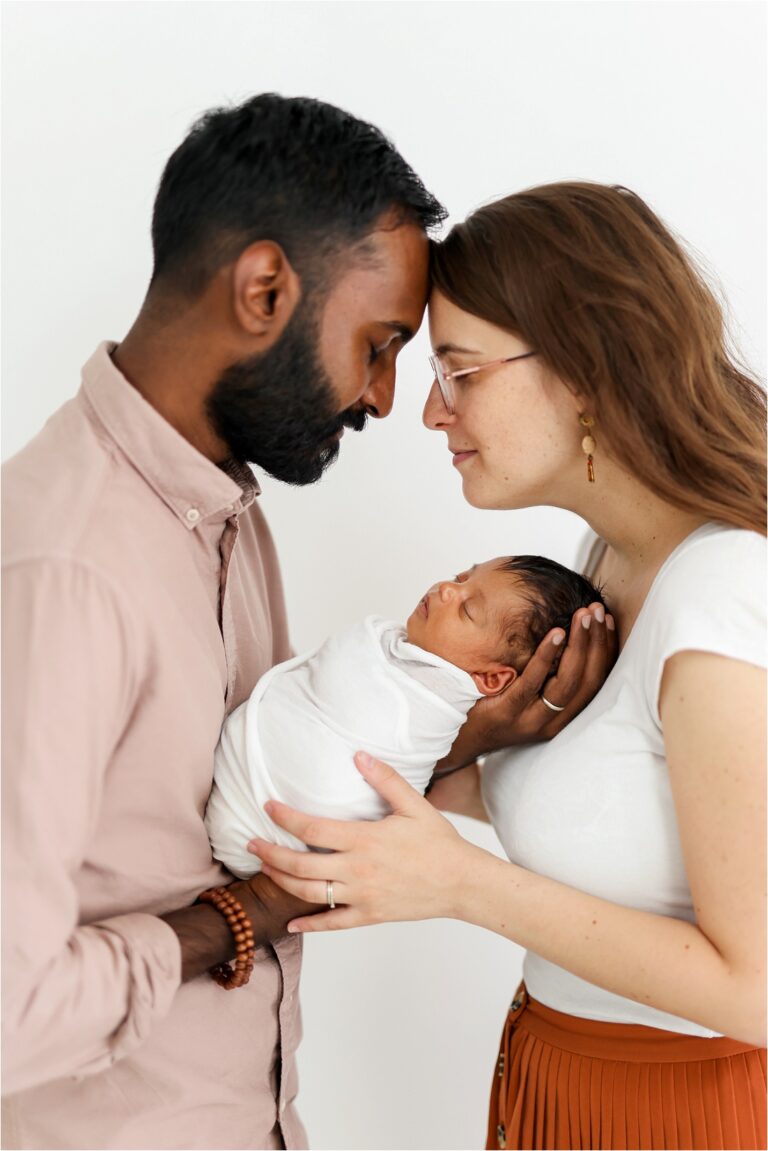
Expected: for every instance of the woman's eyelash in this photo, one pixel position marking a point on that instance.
(373, 353)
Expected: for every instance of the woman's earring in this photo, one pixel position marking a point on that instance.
(588, 446)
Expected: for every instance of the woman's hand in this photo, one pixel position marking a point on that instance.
(518, 715)
(406, 866)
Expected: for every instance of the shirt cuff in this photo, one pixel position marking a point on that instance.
(152, 951)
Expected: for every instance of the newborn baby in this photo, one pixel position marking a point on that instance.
(400, 694)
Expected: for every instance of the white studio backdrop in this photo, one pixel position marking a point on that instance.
(402, 1021)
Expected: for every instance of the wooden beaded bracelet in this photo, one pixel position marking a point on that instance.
(242, 930)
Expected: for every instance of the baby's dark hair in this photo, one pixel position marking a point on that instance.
(553, 593)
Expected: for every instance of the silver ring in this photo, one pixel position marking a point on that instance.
(329, 894)
(551, 706)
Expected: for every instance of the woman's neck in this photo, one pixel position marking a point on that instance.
(640, 529)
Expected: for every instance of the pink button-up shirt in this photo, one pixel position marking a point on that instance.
(141, 603)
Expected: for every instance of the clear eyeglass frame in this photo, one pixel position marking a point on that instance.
(445, 379)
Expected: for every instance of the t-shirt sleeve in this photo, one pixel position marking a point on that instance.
(711, 598)
(589, 548)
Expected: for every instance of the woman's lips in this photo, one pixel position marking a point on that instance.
(460, 457)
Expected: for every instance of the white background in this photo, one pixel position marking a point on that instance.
(483, 99)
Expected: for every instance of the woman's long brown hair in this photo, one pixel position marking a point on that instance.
(590, 277)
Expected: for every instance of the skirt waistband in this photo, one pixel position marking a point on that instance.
(623, 1042)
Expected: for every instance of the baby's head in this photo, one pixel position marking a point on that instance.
(490, 619)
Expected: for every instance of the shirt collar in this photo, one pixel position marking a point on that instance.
(193, 487)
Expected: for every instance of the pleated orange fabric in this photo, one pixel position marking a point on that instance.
(567, 1083)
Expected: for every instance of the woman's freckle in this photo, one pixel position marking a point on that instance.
(594, 921)
(687, 947)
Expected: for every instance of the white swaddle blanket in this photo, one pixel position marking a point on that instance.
(364, 689)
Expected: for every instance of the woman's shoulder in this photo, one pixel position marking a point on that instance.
(714, 559)
(709, 596)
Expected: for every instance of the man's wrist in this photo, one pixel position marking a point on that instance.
(205, 936)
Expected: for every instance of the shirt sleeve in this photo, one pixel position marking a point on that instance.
(76, 997)
(588, 552)
(710, 599)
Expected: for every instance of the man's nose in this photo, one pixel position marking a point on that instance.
(435, 415)
(379, 397)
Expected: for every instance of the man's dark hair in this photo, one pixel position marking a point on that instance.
(553, 594)
(304, 174)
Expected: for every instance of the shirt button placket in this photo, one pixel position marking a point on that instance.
(226, 550)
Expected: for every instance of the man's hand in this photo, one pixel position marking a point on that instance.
(518, 715)
(269, 908)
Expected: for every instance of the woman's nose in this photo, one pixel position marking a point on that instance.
(435, 415)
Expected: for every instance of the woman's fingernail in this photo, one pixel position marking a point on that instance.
(586, 620)
(363, 759)
(558, 638)
(292, 930)
(610, 623)
(600, 614)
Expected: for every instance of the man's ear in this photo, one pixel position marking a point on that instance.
(493, 681)
(265, 291)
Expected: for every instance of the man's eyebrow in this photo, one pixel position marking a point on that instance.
(446, 349)
(402, 330)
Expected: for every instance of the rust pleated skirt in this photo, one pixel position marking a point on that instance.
(563, 1082)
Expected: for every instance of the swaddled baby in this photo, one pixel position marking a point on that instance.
(399, 693)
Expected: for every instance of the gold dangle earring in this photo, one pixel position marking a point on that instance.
(588, 445)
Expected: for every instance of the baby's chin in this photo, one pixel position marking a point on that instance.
(412, 630)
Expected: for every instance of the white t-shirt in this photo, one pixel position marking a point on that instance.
(365, 689)
(593, 808)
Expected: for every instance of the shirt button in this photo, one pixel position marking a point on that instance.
(193, 515)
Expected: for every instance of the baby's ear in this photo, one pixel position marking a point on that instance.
(494, 681)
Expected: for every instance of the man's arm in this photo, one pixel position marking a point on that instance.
(77, 998)
(205, 938)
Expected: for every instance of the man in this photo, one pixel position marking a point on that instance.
(142, 601)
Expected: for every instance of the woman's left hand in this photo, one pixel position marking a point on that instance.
(406, 866)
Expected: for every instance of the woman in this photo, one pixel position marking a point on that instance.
(636, 835)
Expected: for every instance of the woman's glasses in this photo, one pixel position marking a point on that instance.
(445, 379)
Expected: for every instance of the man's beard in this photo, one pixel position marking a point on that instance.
(277, 409)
